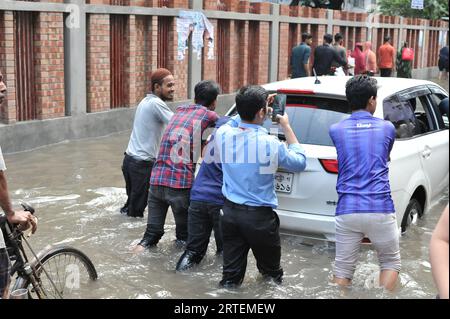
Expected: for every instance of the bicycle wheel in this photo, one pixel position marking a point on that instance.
(68, 274)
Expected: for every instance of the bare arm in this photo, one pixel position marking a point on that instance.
(306, 66)
(439, 255)
(5, 201)
(14, 217)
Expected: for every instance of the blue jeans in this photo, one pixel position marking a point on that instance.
(159, 200)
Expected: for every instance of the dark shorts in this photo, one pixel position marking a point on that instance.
(5, 267)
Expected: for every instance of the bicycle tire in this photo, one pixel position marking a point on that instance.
(70, 291)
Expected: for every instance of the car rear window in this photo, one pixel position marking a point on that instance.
(312, 116)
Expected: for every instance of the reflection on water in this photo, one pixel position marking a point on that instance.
(78, 189)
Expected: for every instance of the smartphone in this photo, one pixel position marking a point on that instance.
(278, 106)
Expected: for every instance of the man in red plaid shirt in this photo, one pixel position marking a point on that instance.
(173, 172)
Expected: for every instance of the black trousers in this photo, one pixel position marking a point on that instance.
(159, 200)
(137, 181)
(385, 73)
(246, 227)
(202, 219)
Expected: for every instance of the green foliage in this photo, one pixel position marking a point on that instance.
(432, 9)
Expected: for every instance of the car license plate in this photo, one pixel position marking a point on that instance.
(283, 182)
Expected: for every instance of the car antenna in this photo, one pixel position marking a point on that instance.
(317, 79)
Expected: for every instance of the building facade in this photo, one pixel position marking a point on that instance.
(77, 68)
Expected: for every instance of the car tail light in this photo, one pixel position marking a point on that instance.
(330, 165)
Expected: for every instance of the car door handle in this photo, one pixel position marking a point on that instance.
(426, 153)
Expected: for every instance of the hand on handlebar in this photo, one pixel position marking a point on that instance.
(24, 219)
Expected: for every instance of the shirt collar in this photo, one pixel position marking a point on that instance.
(361, 114)
(255, 127)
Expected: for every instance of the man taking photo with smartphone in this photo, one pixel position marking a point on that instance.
(250, 157)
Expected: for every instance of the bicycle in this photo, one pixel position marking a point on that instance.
(56, 272)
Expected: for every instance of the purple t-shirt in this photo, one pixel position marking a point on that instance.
(363, 145)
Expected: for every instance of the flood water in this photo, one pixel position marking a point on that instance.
(77, 189)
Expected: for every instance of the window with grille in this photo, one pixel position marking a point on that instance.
(118, 60)
(163, 41)
(24, 57)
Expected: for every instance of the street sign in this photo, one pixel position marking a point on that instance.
(416, 4)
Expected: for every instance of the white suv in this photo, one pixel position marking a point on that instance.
(419, 167)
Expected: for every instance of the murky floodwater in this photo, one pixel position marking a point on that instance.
(78, 189)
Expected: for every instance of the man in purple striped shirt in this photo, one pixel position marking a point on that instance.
(365, 206)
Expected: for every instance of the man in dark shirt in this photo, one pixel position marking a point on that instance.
(300, 57)
(443, 63)
(325, 55)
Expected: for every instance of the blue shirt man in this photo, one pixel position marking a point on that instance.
(365, 207)
(363, 144)
(205, 204)
(250, 181)
(249, 158)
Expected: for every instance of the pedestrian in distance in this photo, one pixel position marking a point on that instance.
(151, 118)
(404, 62)
(439, 255)
(365, 206)
(371, 59)
(325, 56)
(250, 157)
(173, 172)
(443, 63)
(386, 57)
(360, 59)
(300, 57)
(338, 45)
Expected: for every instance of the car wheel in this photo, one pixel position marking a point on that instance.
(412, 213)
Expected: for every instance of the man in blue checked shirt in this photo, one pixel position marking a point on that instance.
(250, 157)
(365, 207)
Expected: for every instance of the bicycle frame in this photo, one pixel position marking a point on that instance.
(19, 259)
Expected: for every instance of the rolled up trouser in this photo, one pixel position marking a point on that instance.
(380, 228)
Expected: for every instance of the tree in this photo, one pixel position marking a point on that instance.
(432, 9)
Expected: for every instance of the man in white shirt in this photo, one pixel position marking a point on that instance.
(151, 118)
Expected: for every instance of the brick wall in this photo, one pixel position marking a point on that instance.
(49, 65)
(245, 50)
(263, 52)
(284, 51)
(98, 63)
(235, 56)
(209, 70)
(178, 68)
(7, 65)
(138, 63)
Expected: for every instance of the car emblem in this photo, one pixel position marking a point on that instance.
(279, 178)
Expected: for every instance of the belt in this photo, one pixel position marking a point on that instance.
(246, 207)
(138, 159)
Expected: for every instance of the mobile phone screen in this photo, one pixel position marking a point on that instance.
(278, 106)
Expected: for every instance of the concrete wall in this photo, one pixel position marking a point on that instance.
(33, 134)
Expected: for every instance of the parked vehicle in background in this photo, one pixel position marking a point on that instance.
(419, 166)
